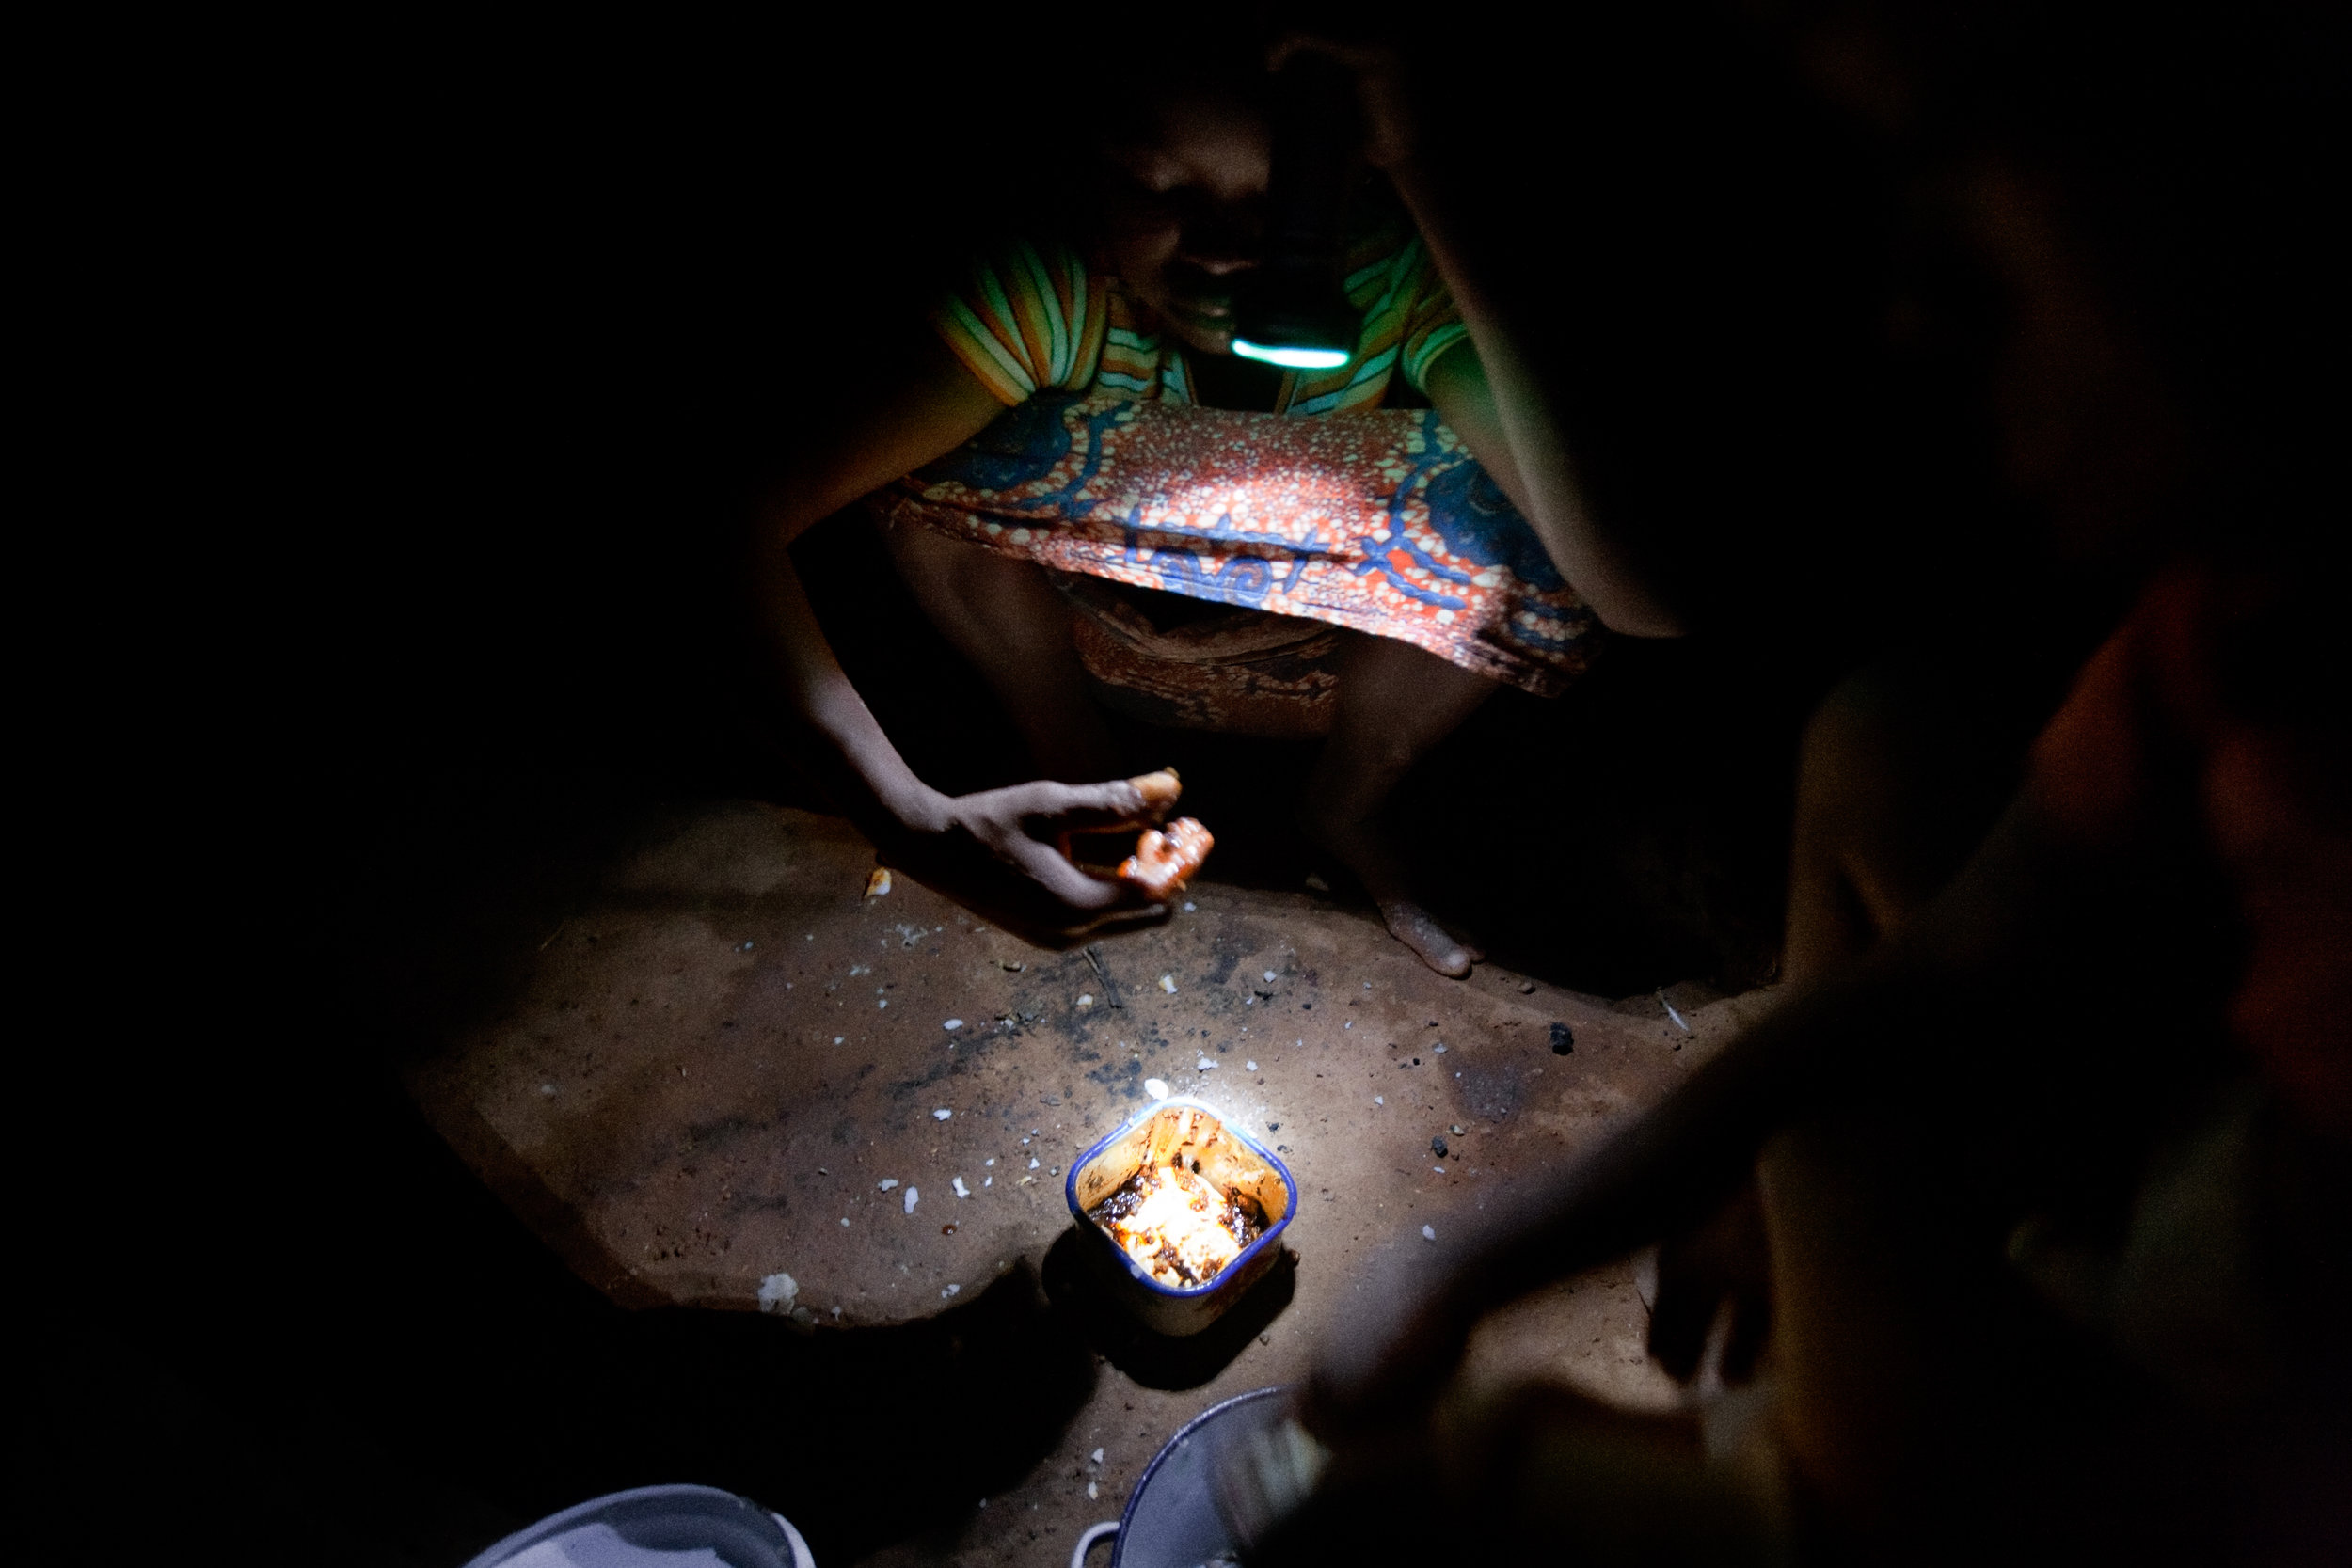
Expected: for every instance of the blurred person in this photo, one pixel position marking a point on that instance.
(2046, 1164)
(2045, 1252)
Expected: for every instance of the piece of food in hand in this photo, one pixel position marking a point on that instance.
(1165, 862)
(1159, 790)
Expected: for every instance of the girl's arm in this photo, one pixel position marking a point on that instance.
(928, 413)
(1487, 390)
(923, 415)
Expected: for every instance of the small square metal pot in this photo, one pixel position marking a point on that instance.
(1232, 1159)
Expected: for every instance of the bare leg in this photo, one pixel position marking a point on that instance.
(1395, 702)
(1003, 616)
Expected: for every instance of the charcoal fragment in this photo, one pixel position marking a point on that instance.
(1562, 1040)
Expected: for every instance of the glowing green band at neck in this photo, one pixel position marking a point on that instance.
(1291, 358)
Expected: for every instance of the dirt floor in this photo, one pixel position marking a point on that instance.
(729, 1066)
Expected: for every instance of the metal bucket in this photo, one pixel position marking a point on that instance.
(655, 1527)
(1172, 1519)
(1230, 1159)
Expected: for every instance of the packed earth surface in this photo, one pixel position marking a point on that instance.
(732, 1077)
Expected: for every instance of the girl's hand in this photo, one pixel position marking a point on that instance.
(999, 849)
(1391, 127)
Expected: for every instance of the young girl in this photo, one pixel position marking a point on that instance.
(1077, 440)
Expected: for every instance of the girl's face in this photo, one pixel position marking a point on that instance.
(1184, 213)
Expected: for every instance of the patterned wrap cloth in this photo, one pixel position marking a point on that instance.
(1375, 519)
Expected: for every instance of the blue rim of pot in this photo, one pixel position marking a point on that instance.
(1241, 1260)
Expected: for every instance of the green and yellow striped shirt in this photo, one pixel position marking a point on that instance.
(1031, 317)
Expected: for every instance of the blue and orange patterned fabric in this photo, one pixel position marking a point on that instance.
(1379, 521)
(1357, 515)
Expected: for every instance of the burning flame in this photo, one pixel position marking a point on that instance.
(1179, 1232)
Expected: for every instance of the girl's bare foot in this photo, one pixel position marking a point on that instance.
(1419, 930)
(1364, 850)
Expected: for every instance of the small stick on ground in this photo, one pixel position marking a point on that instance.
(1110, 986)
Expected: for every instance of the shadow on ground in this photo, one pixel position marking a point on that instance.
(435, 1378)
(861, 1437)
(1073, 1278)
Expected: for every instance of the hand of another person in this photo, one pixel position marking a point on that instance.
(1722, 1266)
